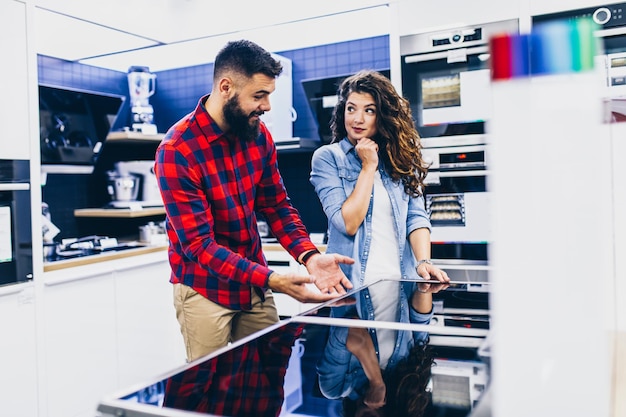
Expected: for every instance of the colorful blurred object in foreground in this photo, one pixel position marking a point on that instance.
(552, 48)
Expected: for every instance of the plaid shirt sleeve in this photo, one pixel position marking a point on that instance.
(273, 202)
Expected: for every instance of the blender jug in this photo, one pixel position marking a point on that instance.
(141, 85)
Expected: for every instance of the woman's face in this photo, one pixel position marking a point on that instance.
(360, 117)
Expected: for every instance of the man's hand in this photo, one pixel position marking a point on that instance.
(329, 278)
(295, 286)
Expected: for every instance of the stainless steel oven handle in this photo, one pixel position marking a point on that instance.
(603, 33)
(442, 55)
(14, 186)
(449, 174)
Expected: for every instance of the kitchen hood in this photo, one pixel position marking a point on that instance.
(75, 123)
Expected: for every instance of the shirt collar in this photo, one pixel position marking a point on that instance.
(346, 146)
(205, 123)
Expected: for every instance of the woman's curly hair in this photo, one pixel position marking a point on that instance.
(397, 138)
(407, 383)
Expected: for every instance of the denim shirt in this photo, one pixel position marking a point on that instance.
(340, 374)
(335, 169)
(334, 173)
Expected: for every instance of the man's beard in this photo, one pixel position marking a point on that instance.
(239, 122)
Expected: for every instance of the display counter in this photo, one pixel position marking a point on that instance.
(298, 367)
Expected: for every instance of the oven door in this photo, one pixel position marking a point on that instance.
(459, 205)
(446, 78)
(16, 263)
(448, 91)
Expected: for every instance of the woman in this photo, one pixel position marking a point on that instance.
(370, 182)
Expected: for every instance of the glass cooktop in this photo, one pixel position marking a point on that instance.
(315, 364)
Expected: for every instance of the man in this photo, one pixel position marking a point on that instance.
(216, 169)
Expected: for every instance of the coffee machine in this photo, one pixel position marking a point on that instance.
(141, 86)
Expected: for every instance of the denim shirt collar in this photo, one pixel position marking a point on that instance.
(346, 146)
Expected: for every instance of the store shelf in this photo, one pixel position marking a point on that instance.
(128, 135)
(66, 169)
(119, 213)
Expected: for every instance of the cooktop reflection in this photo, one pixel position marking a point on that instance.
(330, 361)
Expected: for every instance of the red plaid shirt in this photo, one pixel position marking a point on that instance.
(212, 185)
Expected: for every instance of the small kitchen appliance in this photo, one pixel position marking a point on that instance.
(141, 86)
(123, 188)
(149, 194)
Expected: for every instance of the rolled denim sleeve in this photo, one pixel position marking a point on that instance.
(420, 338)
(333, 369)
(417, 216)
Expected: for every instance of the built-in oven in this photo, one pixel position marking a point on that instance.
(16, 262)
(446, 78)
(459, 205)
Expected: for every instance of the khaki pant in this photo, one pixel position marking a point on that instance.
(207, 326)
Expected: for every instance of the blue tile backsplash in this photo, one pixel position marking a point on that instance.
(178, 92)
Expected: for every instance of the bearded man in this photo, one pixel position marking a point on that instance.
(217, 170)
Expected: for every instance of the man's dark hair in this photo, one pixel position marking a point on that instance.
(246, 58)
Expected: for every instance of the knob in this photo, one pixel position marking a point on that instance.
(456, 38)
(601, 15)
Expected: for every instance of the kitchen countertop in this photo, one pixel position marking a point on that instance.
(101, 257)
(115, 212)
(109, 256)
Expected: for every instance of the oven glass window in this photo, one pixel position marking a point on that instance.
(449, 96)
(6, 245)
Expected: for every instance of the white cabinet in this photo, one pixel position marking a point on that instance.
(18, 378)
(105, 331)
(281, 262)
(79, 320)
(14, 89)
(149, 338)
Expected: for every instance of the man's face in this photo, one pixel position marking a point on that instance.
(248, 103)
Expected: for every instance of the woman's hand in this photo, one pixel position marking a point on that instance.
(429, 271)
(375, 397)
(367, 150)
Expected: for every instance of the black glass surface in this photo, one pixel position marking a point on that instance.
(73, 122)
(290, 368)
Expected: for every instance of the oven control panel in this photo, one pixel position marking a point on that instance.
(608, 16)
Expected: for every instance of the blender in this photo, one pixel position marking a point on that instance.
(141, 86)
